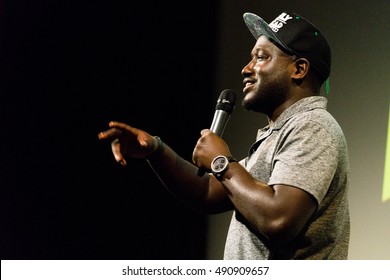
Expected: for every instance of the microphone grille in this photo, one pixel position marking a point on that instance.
(226, 101)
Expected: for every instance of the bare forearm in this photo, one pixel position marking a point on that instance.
(179, 176)
(182, 179)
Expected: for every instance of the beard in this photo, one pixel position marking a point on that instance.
(269, 94)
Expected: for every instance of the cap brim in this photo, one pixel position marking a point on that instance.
(257, 26)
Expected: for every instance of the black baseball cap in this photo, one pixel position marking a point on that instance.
(295, 35)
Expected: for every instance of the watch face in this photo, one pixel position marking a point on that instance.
(219, 164)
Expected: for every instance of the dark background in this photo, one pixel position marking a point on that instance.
(67, 69)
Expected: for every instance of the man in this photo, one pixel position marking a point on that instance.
(290, 194)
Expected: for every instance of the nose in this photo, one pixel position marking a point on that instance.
(248, 69)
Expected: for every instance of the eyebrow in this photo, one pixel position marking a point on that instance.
(259, 48)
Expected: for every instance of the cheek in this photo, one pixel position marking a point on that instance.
(271, 75)
(263, 72)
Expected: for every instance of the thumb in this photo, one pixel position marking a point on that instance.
(116, 150)
(205, 131)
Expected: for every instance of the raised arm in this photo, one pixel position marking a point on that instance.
(203, 193)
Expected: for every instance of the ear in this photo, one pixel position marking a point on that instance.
(302, 66)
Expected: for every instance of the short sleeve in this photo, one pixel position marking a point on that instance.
(307, 159)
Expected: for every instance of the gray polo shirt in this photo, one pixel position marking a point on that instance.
(304, 148)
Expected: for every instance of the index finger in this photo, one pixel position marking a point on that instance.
(111, 133)
(121, 126)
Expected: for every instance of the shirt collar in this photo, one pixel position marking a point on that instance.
(302, 105)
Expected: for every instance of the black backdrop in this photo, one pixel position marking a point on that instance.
(68, 68)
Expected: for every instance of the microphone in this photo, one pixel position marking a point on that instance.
(225, 105)
(223, 109)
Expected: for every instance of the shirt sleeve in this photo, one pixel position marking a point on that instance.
(307, 159)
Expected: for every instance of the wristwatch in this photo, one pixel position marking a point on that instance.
(220, 165)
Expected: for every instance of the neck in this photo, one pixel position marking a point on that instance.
(274, 115)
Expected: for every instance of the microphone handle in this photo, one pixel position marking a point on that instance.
(217, 126)
(220, 120)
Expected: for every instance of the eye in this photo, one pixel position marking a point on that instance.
(262, 55)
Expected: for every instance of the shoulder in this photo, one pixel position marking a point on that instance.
(316, 122)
